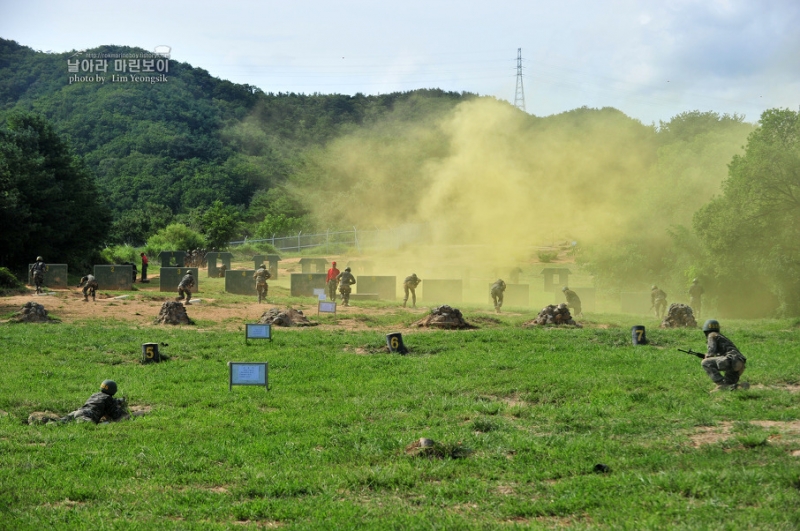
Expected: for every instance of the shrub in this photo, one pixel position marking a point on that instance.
(547, 256)
(175, 237)
(8, 280)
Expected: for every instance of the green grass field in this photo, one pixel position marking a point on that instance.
(525, 414)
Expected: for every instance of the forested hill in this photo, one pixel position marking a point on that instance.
(172, 148)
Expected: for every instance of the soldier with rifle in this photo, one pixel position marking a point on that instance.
(573, 301)
(37, 272)
(722, 356)
(261, 275)
(346, 279)
(185, 287)
(89, 284)
(99, 405)
(497, 290)
(410, 286)
(658, 301)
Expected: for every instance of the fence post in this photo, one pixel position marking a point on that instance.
(298, 241)
(355, 238)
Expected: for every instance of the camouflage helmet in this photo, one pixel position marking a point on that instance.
(653, 287)
(565, 288)
(413, 275)
(694, 281)
(263, 266)
(347, 269)
(39, 259)
(109, 387)
(712, 325)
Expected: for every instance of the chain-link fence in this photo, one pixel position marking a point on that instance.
(359, 239)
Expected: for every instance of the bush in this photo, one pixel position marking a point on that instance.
(246, 251)
(9, 281)
(119, 254)
(174, 237)
(547, 256)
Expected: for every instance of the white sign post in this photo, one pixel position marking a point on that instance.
(326, 307)
(257, 331)
(248, 373)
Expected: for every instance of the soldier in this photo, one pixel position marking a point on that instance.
(573, 301)
(99, 405)
(185, 287)
(261, 275)
(89, 284)
(695, 295)
(497, 294)
(722, 355)
(410, 285)
(37, 272)
(658, 301)
(332, 281)
(145, 262)
(346, 279)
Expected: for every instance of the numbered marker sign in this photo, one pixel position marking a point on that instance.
(326, 307)
(245, 373)
(257, 331)
(638, 335)
(150, 353)
(395, 343)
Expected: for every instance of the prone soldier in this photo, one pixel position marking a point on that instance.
(346, 279)
(261, 275)
(185, 287)
(99, 405)
(410, 286)
(89, 284)
(497, 294)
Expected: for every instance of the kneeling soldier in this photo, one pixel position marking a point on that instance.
(723, 356)
(185, 287)
(89, 284)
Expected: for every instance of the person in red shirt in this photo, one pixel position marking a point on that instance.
(332, 281)
(145, 261)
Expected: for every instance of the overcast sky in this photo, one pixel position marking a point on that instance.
(651, 59)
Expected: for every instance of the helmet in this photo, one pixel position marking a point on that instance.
(190, 271)
(712, 325)
(565, 288)
(347, 269)
(39, 259)
(694, 281)
(264, 266)
(653, 287)
(414, 275)
(109, 387)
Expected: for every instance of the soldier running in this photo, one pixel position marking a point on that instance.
(185, 287)
(722, 356)
(89, 284)
(346, 279)
(695, 298)
(497, 294)
(410, 286)
(332, 281)
(658, 301)
(37, 273)
(261, 275)
(573, 301)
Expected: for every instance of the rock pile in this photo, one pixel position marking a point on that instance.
(554, 315)
(285, 317)
(445, 317)
(31, 313)
(679, 316)
(173, 313)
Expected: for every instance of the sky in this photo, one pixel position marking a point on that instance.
(651, 59)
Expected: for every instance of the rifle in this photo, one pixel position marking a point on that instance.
(693, 353)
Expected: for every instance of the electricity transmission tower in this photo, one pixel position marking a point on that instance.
(519, 97)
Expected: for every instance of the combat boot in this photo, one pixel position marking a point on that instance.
(723, 387)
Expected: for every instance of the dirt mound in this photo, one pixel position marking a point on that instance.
(553, 315)
(32, 312)
(173, 313)
(679, 316)
(445, 317)
(285, 317)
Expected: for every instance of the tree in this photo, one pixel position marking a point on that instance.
(752, 231)
(220, 224)
(48, 199)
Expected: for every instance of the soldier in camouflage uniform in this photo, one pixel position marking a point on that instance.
(261, 275)
(346, 279)
(185, 287)
(497, 290)
(658, 301)
(410, 286)
(573, 301)
(695, 298)
(722, 356)
(37, 273)
(332, 281)
(99, 405)
(89, 284)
